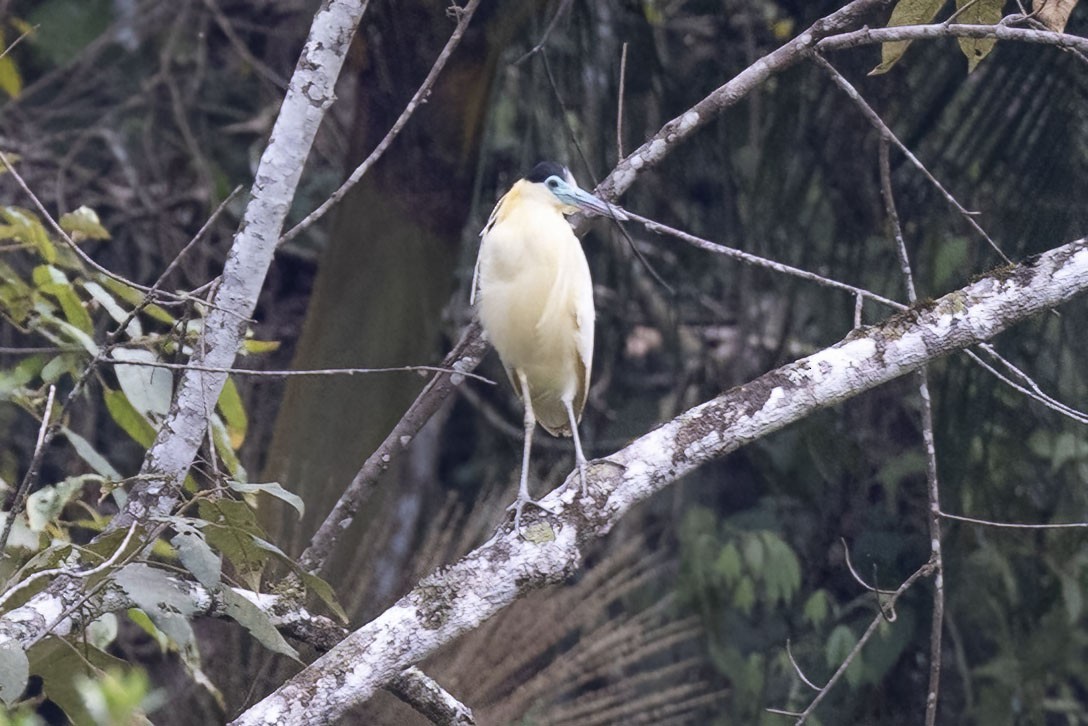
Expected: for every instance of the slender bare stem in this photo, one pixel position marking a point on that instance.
(464, 15)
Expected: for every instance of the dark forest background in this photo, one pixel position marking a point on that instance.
(151, 112)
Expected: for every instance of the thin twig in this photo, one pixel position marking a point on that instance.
(31, 475)
(928, 438)
(287, 373)
(464, 357)
(240, 47)
(151, 291)
(119, 553)
(924, 570)
(797, 668)
(564, 5)
(66, 571)
(1013, 525)
(619, 106)
(18, 40)
(60, 230)
(758, 261)
(1028, 386)
(856, 575)
(886, 132)
(463, 17)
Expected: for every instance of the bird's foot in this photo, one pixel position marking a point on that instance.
(583, 487)
(519, 506)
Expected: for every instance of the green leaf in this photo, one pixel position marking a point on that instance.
(728, 564)
(15, 378)
(782, 576)
(839, 644)
(53, 282)
(23, 226)
(157, 595)
(55, 368)
(753, 554)
(128, 418)
(72, 332)
(60, 665)
(147, 388)
(45, 505)
(14, 671)
(744, 597)
(272, 489)
(88, 453)
(83, 224)
(978, 12)
(253, 347)
(221, 439)
(11, 82)
(817, 608)
(906, 12)
(102, 296)
(313, 583)
(231, 529)
(257, 622)
(102, 631)
(197, 556)
(234, 413)
(140, 618)
(134, 297)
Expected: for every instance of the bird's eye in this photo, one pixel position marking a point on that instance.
(552, 183)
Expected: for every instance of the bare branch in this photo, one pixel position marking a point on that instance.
(857, 576)
(1013, 525)
(802, 717)
(422, 693)
(465, 356)
(800, 673)
(887, 133)
(654, 151)
(310, 94)
(464, 15)
(758, 261)
(31, 475)
(457, 599)
(870, 36)
(290, 373)
(933, 486)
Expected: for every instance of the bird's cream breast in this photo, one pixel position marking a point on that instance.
(526, 303)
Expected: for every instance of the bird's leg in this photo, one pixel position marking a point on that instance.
(579, 457)
(530, 424)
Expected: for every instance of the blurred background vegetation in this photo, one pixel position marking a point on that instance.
(151, 112)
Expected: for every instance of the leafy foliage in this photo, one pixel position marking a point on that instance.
(51, 293)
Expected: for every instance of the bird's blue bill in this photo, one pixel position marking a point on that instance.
(577, 197)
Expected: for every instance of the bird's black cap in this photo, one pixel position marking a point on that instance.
(545, 169)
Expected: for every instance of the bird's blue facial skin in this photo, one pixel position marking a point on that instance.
(571, 195)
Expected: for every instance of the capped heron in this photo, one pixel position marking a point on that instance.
(536, 304)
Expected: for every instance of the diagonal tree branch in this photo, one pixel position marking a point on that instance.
(311, 92)
(652, 152)
(457, 599)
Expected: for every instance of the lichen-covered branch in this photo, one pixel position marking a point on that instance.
(457, 599)
(652, 152)
(309, 96)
